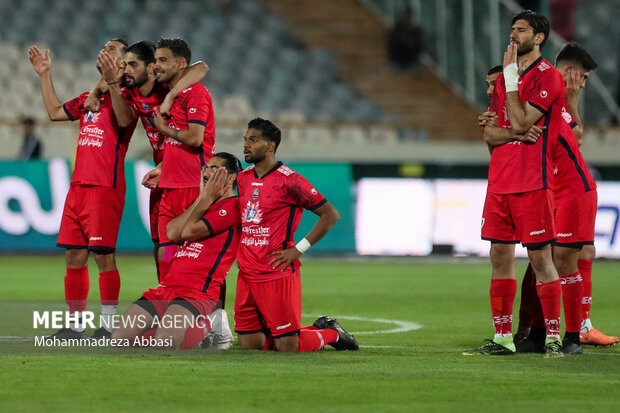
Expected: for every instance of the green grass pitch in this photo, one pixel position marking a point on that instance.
(416, 370)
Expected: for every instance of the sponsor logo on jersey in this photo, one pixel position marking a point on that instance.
(256, 184)
(543, 66)
(91, 117)
(543, 94)
(314, 191)
(285, 170)
(223, 212)
(192, 110)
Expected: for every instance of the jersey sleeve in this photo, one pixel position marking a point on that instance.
(197, 106)
(75, 106)
(304, 194)
(547, 89)
(224, 216)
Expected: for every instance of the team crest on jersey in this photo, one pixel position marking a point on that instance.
(91, 117)
(145, 107)
(252, 213)
(255, 193)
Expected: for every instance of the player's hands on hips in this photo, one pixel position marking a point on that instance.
(488, 118)
(284, 258)
(40, 62)
(532, 134)
(151, 179)
(109, 67)
(165, 106)
(92, 103)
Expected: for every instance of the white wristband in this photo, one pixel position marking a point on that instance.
(511, 77)
(303, 245)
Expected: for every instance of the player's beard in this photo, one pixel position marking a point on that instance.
(253, 158)
(132, 82)
(525, 47)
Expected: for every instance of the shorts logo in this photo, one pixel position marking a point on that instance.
(283, 326)
(482, 223)
(192, 110)
(542, 231)
(570, 234)
(543, 94)
(223, 212)
(95, 239)
(255, 193)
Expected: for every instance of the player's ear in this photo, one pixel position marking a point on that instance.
(182, 63)
(539, 38)
(150, 68)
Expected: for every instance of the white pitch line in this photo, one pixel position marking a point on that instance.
(403, 326)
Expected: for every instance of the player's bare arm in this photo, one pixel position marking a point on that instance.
(328, 217)
(487, 118)
(151, 178)
(111, 74)
(522, 117)
(192, 136)
(574, 81)
(496, 136)
(42, 64)
(193, 74)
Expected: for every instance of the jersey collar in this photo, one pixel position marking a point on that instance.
(533, 65)
(278, 164)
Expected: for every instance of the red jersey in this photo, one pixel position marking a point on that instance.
(102, 145)
(517, 167)
(182, 163)
(201, 264)
(144, 106)
(271, 208)
(572, 176)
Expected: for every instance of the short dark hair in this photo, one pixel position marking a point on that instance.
(178, 47)
(573, 52)
(270, 131)
(495, 69)
(123, 41)
(144, 51)
(231, 163)
(28, 120)
(539, 23)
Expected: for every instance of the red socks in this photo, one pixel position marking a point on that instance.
(312, 339)
(109, 287)
(76, 288)
(502, 294)
(572, 292)
(550, 295)
(585, 268)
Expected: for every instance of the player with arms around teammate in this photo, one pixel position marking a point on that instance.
(189, 140)
(209, 229)
(268, 302)
(94, 204)
(519, 204)
(145, 95)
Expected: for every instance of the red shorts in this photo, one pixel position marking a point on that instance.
(525, 217)
(574, 220)
(91, 218)
(268, 306)
(196, 301)
(154, 202)
(173, 203)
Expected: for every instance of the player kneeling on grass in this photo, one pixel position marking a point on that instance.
(181, 310)
(268, 300)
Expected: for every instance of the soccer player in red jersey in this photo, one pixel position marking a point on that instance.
(268, 302)
(146, 94)
(94, 204)
(575, 215)
(520, 176)
(189, 139)
(209, 229)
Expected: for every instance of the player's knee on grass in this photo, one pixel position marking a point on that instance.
(133, 323)
(251, 341)
(287, 344)
(174, 324)
(76, 258)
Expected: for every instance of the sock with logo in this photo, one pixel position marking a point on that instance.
(77, 284)
(312, 340)
(572, 292)
(585, 268)
(502, 294)
(550, 294)
(109, 288)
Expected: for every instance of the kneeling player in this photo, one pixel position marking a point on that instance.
(190, 290)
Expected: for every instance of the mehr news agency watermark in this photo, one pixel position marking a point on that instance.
(80, 320)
